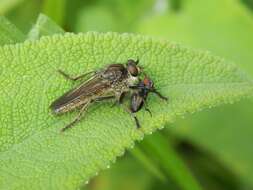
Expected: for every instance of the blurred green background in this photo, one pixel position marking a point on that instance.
(208, 150)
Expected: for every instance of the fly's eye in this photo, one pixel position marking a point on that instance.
(132, 67)
(133, 70)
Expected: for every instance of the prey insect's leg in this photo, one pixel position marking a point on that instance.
(137, 122)
(146, 108)
(160, 95)
(77, 118)
(133, 116)
(67, 76)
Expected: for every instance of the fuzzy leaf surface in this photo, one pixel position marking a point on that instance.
(35, 155)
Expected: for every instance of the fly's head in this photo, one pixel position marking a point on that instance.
(132, 67)
(133, 71)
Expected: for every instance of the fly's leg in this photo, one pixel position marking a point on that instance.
(67, 76)
(104, 98)
(137, 86)
(115, 103)
(119, 99)
(77, 118)
(83, 109)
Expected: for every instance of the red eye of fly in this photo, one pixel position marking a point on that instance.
(147, 82)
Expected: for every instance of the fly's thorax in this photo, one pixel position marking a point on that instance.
(131, 80)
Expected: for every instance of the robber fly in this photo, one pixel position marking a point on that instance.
(139, 97)
(107, 83)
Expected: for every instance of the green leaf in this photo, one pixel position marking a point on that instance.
(55, 9)
(248, 3)
(96, 18)
(171, 162)
(126, 174)
(25, 14)
(225, 28)
(34, 154)
(9, 33)
(148, 164)
(44, 27)
(7, 5)
(111, 15)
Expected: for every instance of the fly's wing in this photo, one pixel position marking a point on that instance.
(79, 95)
(95, 86)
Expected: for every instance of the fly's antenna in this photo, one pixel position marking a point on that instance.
(137, 60)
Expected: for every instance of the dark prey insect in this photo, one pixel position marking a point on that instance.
(107, 83)
(139, 97)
